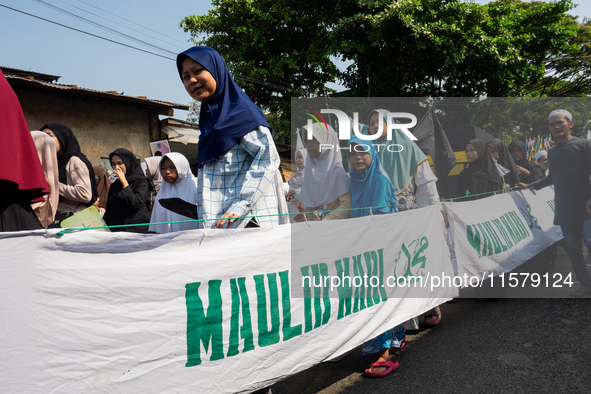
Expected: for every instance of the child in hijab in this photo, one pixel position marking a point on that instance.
(238, 161)
(414, 182)
(529, 171)
(326, 185)
(371, 187)
(500, 155)
(481, 175)
(295, 183)
(129, 196)
(178, 182)
(22, 181)
(542, 160)
(77, 186)
(47, 152)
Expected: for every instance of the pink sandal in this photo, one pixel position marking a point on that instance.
(391, 366)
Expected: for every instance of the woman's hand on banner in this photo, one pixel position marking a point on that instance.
(220, 223)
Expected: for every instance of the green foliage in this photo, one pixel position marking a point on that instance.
(193, 114)
(275, 49)
(512, 118)
(399, 48)
(435, 48)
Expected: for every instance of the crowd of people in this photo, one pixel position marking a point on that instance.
(239, 184)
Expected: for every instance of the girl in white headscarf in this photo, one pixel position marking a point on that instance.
(542, 160)
(178, 181)
(296, 182)
(326, 184)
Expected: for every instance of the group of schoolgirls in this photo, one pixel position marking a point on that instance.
(388, 182)
(238, 166)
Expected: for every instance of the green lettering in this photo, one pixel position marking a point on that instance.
(493, 236)
(370, 272)
(382, 288)
(240, 298)
(523, 232)
(288, 331)
(510, 228)
(551, 204)
(359, 297)
(321, 271)
(487, 248)
(503, 233)
(419, 258)
(474, 238)
(307, 300)
(203, 328)
(408, 272)
(267, 337)
(345, 292)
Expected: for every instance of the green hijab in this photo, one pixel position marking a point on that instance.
(400, 166)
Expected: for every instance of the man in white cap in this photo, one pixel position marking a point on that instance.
(542, 160)
(570, 167)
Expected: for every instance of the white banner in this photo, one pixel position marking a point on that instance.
(187, 313)
(225, 311)
(496, 234)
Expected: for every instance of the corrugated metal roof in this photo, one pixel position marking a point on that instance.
(18, 78)
(182, 134)
(25, 73)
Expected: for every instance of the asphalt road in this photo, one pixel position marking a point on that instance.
(507, 345)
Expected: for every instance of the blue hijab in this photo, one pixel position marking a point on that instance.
(226, 117)
(371, 187)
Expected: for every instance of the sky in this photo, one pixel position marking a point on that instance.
(31, 44)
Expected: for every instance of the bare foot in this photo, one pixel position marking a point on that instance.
(384, 357)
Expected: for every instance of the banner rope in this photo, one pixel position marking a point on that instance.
(72, 229)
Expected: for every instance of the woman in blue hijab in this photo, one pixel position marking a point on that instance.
(238, 161)
(371, 187)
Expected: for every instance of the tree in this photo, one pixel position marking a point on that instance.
(194, 110)
(567, 73)
(411, 48)
(448, 48)
(275, 49)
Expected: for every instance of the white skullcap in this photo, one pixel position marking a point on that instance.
(561, 112)
(540, 154)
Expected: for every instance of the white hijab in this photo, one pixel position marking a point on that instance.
(184, 188)
(325, 179)
(297, 179)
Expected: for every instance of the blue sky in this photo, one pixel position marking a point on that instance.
(31, 44)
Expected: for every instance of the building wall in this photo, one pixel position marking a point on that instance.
(100, 125)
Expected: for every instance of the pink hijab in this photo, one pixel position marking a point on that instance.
(47, 152)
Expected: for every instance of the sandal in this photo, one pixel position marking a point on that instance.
(433, 320)
(391, 366)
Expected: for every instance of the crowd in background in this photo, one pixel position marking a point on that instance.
(49, 179)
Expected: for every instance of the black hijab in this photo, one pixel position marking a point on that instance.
(117, 210)
(133, 168)
(505, 160)
(484, 166)
(70, 148)
(528, 165)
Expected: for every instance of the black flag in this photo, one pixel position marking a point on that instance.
(433, 142)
